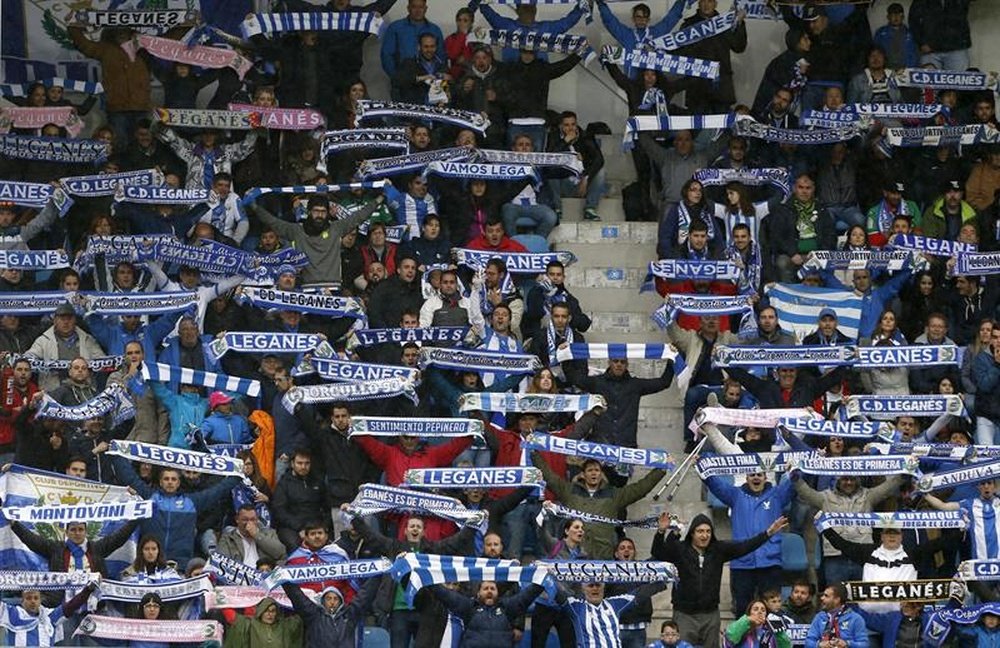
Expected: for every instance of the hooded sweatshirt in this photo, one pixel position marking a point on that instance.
(246, 632)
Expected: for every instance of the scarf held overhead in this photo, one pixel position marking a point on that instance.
(205, 462)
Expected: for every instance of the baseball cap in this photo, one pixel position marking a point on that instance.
(895, 185)
(811, 12)
(952, 185)
(65, 309)
(218, 398)
(827, 312)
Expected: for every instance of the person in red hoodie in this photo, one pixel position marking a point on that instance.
(316, 549)
(494, 239)
(505, 446)
(456, 46)
(16, 390)
(395, 460)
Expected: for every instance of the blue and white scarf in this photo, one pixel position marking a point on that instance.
(889, 407)
(158, 20)
(53, 149)
(697, 269)
(116, 248)
(750, 268)
(609, 454)
(213, 381)
(863, 465)
(233, 571)
(843, 429)
(65, 513)
(969, 474)
(72, 85)
(420, 427)
(346, 570)
(684, 220)
(891, 260)
(373, 499)
(779, 178)
(896, 520)
(362, 138)
(149, 195)
(479, 360)
(33, 259)
(853, 113)
(926, 355)
(516, 262)
(491, 477)
(433, 335)
(782, 356)
(105, 364)
(34, 195)
(368, 110)
(303, 302)
(598, 351)
(258, 342)
(106, 184)
(425, 570)
(747, 463)
(937, 247)
(939, 624)
(347, 371)
(211, 257)
(945, 79)
(976, 264)
(980, 569)
(661, 62)
(540, 403)
(696, 32)
(758, 418)
(539, 159)
(942, 451)
(610, 571)
(113, 400)
(536, 41)
(11, 580)
(412, 162)
(482, 171)
(30, 303)
(325, 21)
(935, 136)
(138, 303)
(168, 592)
(205, 462)
(663, 122)
(566, 513)
(701, 305)
(748, 127)
(355, 391)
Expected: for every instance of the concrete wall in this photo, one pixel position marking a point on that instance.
(580, 91)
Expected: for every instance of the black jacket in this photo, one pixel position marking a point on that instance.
(697, 588)
(487, 626)
(584, 145)
(345, 464)
(534, 312)
(941, 24)
(779, 234)
(390, 298)
(805, 390)
(337, 630)
(297, 501)
(525, 86)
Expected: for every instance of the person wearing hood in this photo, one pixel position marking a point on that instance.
(783, 69)
(488, 618)
(699, 559)
(753, 507)
(328, 621)
(267, 627)
(222, 425)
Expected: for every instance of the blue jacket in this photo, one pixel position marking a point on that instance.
(171, 355)
(986, 373)
(175, 517)
(659, 644)
(630, 37)
(226, 428)
(185, 409)
(752, 514)
(401, 41)
(979, 636)
(887, 624)
(911, 54)
(874, 301)
(852, 629)
(113, 336)
(496, 21)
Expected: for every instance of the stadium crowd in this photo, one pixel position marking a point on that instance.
(245, 342)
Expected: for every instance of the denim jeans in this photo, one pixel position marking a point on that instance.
(543, 216)
(546, 618)
(837, 569)
(557, 189)
(846, 216)
(986, 431)
(123, 123)
(954, 60)
(633, 638)
(517, 525)
(403, 626)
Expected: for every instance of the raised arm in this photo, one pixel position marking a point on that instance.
(859, 552)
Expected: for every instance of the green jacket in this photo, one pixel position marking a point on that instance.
(738, 629)
(600, 539)
(933, 223)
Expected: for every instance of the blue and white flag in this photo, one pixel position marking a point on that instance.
(107, 184)
(66, 513)
(489, 477)
(425, 570)
(695, 269)
(889, 407)
(696, 32)
(610, 571)
(631, 350)
(516, 262)
(150, 195)
(53, 149)
(368, 110)
(610, 454)
(521, 403)
(114, 400)
(842, 429)
(346, 570)
(325, 21)
(205, 462)
(146, 303)
(936, 247)
(303, 302)
(259, 342)
(662, 122)
(871, 465)
(974, 473)
(393, 426)
(700, 305)
(347, 371)
(33, 259)
(479, 360)
(945, 79)
(212, 381)
(353, 391)
(779, 177)
(22, 486)
(894, 520)
(373, 499)
(434, 335)
(782, 356)
(798, 307)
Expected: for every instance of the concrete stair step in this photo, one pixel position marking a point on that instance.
(624, 322)
(610, 253)
(581, 275)
(624, 232)
(613, 300)
(610, 209)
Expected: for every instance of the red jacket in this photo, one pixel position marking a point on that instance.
(509, 454)
(11, 402)
(459, 54)
(507, 244)
(303, 555)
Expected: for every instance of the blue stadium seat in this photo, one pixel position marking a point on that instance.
(533, 242)
(793, 553)
(376, 637)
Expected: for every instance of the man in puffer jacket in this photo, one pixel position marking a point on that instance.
(175, 514)
(329, 622)
(488, 618)
(699, 559)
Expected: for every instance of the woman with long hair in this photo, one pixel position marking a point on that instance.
(980, 342)
(752, 630)
(150, 564)
(887, 329)
(544, 382)
(921, 298)
(740, 209)
(569, 547)
(258, 494)
(676, 223)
